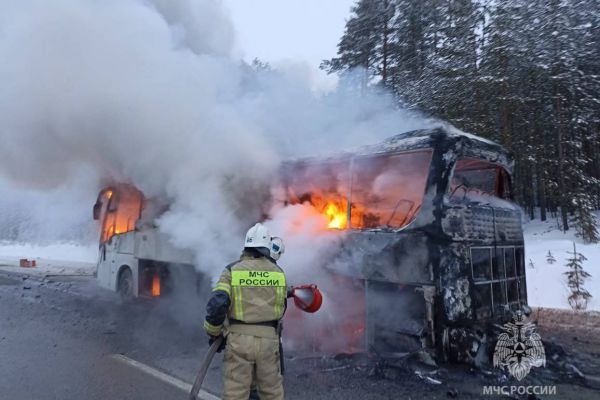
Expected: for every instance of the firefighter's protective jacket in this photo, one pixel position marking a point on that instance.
(252, 291)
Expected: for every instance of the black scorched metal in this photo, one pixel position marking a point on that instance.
(447, 269)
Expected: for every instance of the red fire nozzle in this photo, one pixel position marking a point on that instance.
(308, 298)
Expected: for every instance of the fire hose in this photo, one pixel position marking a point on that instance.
(210, 354)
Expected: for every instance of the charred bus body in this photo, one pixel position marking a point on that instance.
(432, 235)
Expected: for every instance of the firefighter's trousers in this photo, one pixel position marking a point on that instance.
(249, 357)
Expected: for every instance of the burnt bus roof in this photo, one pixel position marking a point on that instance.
(445, 137)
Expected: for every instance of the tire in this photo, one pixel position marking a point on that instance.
(125, 285)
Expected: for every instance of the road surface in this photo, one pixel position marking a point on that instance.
(65, 338)
(62, 338)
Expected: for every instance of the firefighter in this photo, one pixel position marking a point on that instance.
(246, 306)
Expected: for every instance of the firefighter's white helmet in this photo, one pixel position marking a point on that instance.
(259, 237)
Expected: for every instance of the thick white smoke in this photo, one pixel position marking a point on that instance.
(46, 216)
(149, 92)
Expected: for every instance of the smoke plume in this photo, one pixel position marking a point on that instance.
(152, 93)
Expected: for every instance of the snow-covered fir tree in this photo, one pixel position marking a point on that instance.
(583, 218)
(550, 258)
(576, 275)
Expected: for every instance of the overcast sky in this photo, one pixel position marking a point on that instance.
(283, 30)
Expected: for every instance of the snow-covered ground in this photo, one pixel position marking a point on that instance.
(547, 283)
(60, 258)
(60, 251)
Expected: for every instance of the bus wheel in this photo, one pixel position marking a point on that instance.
(125, 286)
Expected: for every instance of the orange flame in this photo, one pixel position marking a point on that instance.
(155, 285)
(338, 217)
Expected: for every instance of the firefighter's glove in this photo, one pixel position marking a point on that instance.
(212, 339)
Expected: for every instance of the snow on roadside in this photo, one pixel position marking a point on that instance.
(547, 283)
(58, 258)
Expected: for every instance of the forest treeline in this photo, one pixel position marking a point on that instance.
(525, 73)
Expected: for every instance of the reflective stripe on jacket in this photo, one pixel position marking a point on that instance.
(251, 290)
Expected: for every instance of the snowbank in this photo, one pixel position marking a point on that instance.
(546, 283)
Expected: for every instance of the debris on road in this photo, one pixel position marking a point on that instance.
(427, 379)
(25, 263)
(336, 368)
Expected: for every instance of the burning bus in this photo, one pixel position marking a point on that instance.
(135, 258)
(432, 245)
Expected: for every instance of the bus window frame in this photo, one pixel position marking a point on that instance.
(112, 207)
(500, 172)
(418, 209)
(111, 210)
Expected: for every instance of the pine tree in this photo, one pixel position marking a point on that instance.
(524, 73)
(564, 40)
(366, 43)
(584, 119)
(416, 34)
(550, 258)
(583, 218)
(504, 76)
(457, 66)
(576, 275)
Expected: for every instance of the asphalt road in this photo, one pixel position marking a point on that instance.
(63, 338)
(66, 338)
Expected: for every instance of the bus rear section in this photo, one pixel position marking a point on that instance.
(135, 259)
